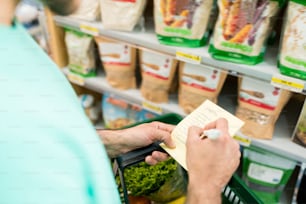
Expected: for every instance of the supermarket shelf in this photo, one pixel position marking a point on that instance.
(100, 85)
(281, 143)
(263, 71)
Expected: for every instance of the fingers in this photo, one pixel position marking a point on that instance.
(163, 126)
(149, 160)
(156, 157)
(220, 123)
(162, 132)
(194, 133)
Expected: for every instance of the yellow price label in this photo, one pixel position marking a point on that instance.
(89, 29)
(152, 107)
(76, 79)
(190, 58)
(285, 82)
(243, 140)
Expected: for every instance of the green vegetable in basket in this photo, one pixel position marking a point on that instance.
(163, 182)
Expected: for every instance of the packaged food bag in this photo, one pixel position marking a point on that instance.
(292, 57)
(119, 62)
(81, 53)
(183, 23)
(299, 134)
(198, 83)
(87, 10)
(145, 115)
(157, 71)
(242, 29)
(265, 173)
(259, 106)
(117, 112)
(121, 14)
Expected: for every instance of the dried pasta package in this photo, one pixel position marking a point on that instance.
(242, 29)
(183, 23)
(157, 71)
(198, 83)
(121, 14)
(259, 106)
(118, 60)
(292, 61)
(87, 10)
(81, 53)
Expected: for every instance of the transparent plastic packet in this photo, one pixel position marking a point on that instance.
(242, 30)
(161, 183)
(123, 15)
(292, 50)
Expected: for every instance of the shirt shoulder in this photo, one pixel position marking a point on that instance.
(48, 148)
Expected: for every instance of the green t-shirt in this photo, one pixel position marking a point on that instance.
(49, 151)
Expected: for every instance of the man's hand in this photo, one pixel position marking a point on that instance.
(122, 141)
(211, 163)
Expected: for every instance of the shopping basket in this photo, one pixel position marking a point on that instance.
(235, 192)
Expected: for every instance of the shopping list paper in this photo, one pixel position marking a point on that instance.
(207, 112)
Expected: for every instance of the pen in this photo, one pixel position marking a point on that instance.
(211, 134)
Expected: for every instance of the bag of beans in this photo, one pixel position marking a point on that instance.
(118, 60)
(157, 71)
(259, 106)
(198, 83)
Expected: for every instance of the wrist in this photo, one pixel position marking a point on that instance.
(203, 192)
(113, 142)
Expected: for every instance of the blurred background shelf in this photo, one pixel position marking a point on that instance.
(147, 39)
(281, 143)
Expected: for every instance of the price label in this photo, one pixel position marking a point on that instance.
(152, 107)
(289, 83)
(76, 79)
(89, 29)
(187, 57)
(243, 140)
